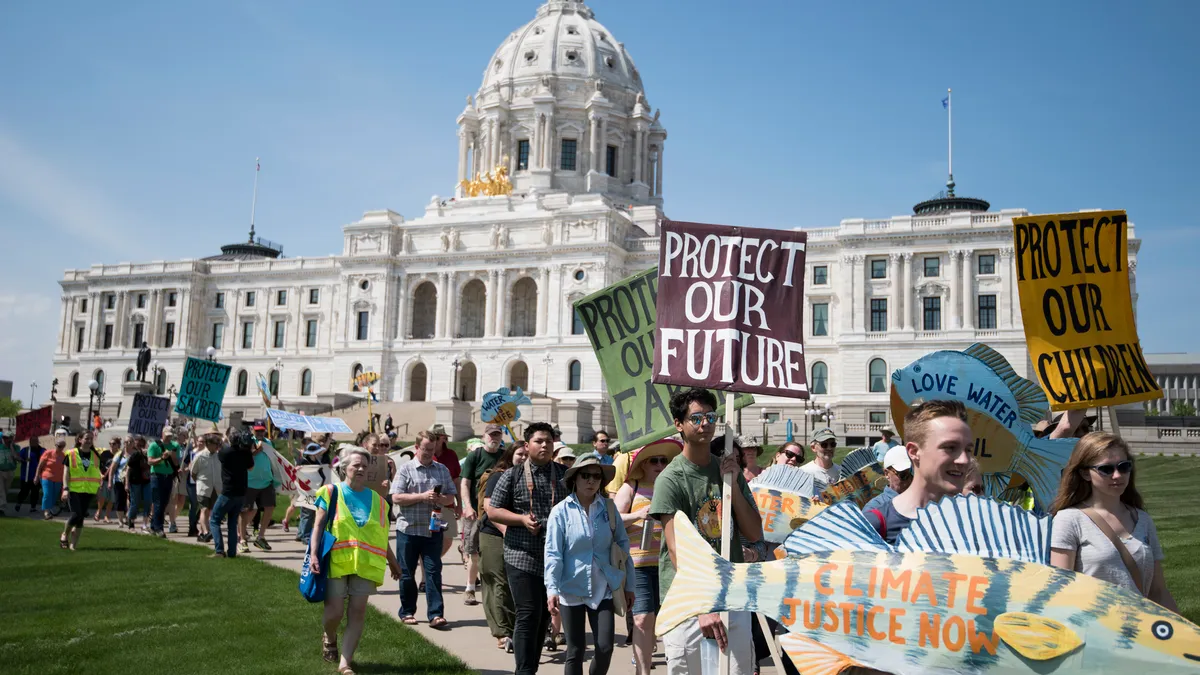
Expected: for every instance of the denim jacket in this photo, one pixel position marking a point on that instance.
(572, 548)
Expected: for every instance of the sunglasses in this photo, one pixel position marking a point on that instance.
(699, 419)
(601, 440)
(658, 461)
(1108, 469)
(829, 445)
(794, 455)
(588, 475)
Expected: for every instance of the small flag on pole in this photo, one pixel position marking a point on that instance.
(946, 102)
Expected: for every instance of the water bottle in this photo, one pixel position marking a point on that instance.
(435, 523)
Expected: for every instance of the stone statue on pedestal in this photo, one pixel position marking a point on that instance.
(143, 362)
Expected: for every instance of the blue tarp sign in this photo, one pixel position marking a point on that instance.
(202, 389)
(291, 421)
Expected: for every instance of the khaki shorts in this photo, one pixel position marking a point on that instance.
(351, 584)
(471, 540)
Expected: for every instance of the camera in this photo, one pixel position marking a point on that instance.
(242, 441)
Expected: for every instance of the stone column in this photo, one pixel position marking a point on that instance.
(439, 323)
(451, 305)
(462, 154)
(968, 294)
(845, 273)
(535, 141)
(501, 301)
(595, 141)
(658, 173)
(183, 331)
(954, 317)
(637, 154)
(895, 320)
(906, 291)
(858, 293)
(543, 301)
(63, 337)
(489, 312)
(1133, 294)
(1006, 299)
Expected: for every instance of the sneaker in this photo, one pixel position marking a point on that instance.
(560, 639)
(218, 554)
(262, 543)
(172, 529)
(469, 599)
(550, 646)
(244, 546)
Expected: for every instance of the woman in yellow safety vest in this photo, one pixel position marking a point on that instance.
(81, 482)
(358, 559)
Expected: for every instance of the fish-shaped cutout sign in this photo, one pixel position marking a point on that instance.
(1001, 407)
(861, 479)
(784, 496)
(966, 590)
(500, 407)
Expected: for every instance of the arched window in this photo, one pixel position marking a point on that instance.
(129, 374)
(574, 376)
(523, 322)
(473, 309)
(74, 384)
(273, 382)
(424, 314)
(518, 376)
(306, 382)
(417, 378)
(820, 378)
(160, 382)
(98, 376)
(466, 382)
(354, 373)
(877, 376)
(242, 382)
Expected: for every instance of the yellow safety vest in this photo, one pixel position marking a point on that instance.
(359, 550)
(86, 481)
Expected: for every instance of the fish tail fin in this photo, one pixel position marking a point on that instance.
(701, 576)
(1040, 461)
(1031, 400)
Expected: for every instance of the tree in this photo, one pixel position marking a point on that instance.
(1183, 409)
(9, 407)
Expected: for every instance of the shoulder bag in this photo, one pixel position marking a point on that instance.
(1126, 556)
(617, 557)
(312, 586)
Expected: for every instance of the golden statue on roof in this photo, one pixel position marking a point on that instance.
(489, 184)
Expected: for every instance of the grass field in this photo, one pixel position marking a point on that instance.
(127, 604)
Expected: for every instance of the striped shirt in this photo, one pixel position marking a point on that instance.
(415, 478)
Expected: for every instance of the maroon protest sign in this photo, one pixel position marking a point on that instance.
(730, 309)
(33, 423)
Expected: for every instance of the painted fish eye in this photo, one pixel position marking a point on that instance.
(1162, 630)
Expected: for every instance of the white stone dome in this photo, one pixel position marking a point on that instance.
(564, 42)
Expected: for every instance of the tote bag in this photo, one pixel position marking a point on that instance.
(312, 586)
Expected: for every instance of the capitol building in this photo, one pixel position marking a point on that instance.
(476, 292)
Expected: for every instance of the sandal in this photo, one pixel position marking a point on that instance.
(409, 620)
(62, 541)
(329, 650)
(439, 623)
(345, 670)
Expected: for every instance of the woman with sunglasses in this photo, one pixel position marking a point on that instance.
(645, 540)
(1097, 494)
(790, 453)
(580, 577)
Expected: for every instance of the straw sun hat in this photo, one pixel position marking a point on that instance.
(667, 447)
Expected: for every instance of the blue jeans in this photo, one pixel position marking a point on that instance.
(51, 492)
(305, 527)
(139, 499)
(230, 507)
(410, 549)
(160, 488)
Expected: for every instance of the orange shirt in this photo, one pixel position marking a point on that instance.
(52, 469)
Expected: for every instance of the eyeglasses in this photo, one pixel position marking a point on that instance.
(829, 445)
(658, 461)
(699, 419)
(601, 440)
(590, 475)
(794, 455)
(1108, 469)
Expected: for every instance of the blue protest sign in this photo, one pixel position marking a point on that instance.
(202, 389)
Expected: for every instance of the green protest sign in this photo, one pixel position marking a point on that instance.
(620, 322)
(202, 389)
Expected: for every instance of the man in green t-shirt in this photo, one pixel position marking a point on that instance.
(260, 492)
(479, 460)
(164, 460)
(691, 483)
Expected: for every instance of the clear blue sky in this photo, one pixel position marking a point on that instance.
(128, 130)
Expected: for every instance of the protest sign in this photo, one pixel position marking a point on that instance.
(1073, 280)
(148, 415)
(620, 322)
(202, 389)
(33, 423)
(378, 470)
(309, 423)
(301, 482)
(733, 315)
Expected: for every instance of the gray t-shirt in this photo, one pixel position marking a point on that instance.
(1096, 556)
(830, 475)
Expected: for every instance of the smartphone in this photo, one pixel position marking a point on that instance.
(437, 489)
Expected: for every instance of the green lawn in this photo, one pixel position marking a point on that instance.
(128, 604)
(1169, 487)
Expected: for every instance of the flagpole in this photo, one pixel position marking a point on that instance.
(254, 199)
(950, 141)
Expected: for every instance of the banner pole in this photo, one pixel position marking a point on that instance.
(1112, 420)
(725, 664)
(772, 641)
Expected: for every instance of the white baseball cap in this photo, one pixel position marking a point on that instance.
(897, 458)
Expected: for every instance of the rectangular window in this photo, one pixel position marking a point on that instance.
(172, 298)
(577, 324)
(610, 160)
(568, 155)
(314, 296)
(141, 301)
(280, 332)
(522, 155)
(280, 298)
(247, 334)
(877, 417)
(108, 335)
(878, 269)
(169, 335)
(987, 264)
(249, 298)
(933, 313)
(987, 312)
(820, 275)
(139, 335)
(310, 335)
(933, 267)
(364, 322)
(83, 305)
(820, 318)
(79, 333)
(110, 301)
(218, 336)
(220, 303)
(878, 314)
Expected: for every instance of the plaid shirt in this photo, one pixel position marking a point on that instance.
(523, 549)
(414, 478)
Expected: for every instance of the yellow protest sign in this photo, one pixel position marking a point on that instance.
(1073, 280)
